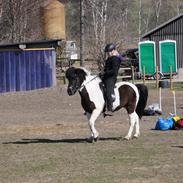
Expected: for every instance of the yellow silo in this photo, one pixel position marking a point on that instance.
(54, 20)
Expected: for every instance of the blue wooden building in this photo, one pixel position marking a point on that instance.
(28, 66)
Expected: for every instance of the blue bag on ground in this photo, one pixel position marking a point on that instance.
(164, 124)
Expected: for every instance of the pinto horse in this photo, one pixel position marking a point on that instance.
(130, 96)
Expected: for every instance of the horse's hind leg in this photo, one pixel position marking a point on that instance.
(132, 120)
(137, 127)
(88, 117)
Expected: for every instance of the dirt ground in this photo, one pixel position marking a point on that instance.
(43, 140)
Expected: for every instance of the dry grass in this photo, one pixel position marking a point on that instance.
(43, 140)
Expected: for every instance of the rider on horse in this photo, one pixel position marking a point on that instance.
(109, 75)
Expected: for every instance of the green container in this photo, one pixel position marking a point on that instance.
(147, 57)
(168, 56)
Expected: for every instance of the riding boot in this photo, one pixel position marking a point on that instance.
(109, 111)
(110, 96)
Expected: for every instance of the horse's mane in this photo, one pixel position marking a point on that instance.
(88, 73)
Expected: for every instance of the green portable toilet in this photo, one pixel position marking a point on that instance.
(168, 56)
(147, 57)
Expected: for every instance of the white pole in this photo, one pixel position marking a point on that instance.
(174, 103)
(160, 99)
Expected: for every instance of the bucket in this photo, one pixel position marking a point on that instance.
(163, 84)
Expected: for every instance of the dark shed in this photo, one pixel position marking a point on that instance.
(28, 65)
(170, 30)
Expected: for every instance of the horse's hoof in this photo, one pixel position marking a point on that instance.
(90, 140)
(127, 138)
(96, 139)
(136, 136)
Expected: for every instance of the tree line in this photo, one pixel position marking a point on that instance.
(19, 20)
(122, 22)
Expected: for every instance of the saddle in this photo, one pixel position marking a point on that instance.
(103, 89)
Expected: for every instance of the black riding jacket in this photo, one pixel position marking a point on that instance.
(111, 68)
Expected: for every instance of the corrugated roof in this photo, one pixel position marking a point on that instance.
(33, 44)
(162, 25)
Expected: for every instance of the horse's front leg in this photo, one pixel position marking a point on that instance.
(91, 121)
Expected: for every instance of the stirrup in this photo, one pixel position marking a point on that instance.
(108, 113)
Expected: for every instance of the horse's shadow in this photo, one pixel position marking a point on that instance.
(69, 141)
(178, 146)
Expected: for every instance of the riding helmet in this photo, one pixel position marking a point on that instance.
(109, 47)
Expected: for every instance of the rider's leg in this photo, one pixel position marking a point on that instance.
(110, 97)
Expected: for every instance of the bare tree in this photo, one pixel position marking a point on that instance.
(145, 11)
(1, 9)
(178, 6)
(99, 17)
(147, 19)
(20, 20)
(118, 22)
(16, 19)
(140, 17)
(106, 22)
(157, 4)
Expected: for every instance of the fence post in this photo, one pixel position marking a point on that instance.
(157, 76)
(171, 84)
(144, 74)
(132, 74)
(174, 103)
(160, 105)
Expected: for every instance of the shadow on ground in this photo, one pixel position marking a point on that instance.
(75, 140)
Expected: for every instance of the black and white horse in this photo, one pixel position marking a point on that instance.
(130, 96)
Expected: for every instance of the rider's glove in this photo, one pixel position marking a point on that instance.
(101, 74)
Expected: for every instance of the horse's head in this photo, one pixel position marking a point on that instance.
(75, 76)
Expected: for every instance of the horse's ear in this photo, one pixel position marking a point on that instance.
(70, 72)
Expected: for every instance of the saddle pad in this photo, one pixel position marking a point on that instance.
(116, 103)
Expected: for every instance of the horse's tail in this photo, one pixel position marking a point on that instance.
(143, 95)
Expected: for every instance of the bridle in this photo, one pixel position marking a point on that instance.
(84, 84)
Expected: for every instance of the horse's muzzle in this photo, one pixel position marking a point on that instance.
(71, 91)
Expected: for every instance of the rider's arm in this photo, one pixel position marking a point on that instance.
(113, 70)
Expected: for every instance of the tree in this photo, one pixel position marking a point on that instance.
(106, 21)
(98, 37)
(157, 4)
(15, 19)
(72, 20)
(18, 20)
(179, 6)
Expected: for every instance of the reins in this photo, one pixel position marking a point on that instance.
(83, 85)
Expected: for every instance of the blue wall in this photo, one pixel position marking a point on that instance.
(27, 70)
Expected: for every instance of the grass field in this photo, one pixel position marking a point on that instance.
(43, 140)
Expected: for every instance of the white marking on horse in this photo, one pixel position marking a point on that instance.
(116, 103)
(134, 121)
(93, 88)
